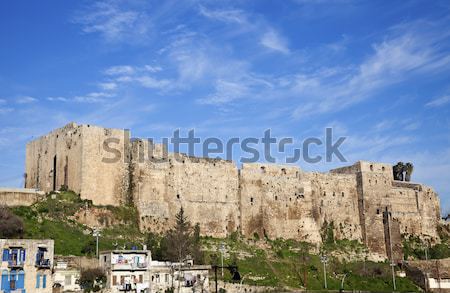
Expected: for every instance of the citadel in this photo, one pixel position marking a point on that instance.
(362, 202)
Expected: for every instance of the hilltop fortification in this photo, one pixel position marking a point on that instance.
(360, 202)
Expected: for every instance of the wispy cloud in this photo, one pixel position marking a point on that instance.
(108, 86)
(113, 21)
(274, 41)
(120, 70)
(25, 100)
(227, 15)
(92, 97)
(444, 100)
(392, 61)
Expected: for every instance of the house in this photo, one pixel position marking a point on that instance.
(26, 265)
(126, 270)
(430, 275)
(66, 275)
(187, 276)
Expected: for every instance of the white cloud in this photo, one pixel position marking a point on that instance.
(150, 82)
(225, 92)
(4, 110)
(92, 97)
(392, 62)
(113, 22)
(57, 99)
(230, 16)
(120, 70)
(25, 100)
(438, 102)
(274, 41)
(108, 86)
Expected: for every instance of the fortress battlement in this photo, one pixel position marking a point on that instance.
(361, 202)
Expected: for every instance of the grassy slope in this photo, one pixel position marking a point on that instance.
(282, 265)
(274, 263)
(49, 219)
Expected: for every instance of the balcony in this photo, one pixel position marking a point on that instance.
(43, 264)
(129, 266)
(15, 264)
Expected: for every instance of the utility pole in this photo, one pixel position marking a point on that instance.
(96, 234)
(388, 219)
(342, 283)
(222, 250)
(324, 260)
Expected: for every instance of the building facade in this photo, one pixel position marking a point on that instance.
(126, 270)
(26, 265)
(66, 276)
(186, 277)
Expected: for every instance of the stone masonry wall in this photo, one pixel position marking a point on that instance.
(19, 196)
(269, 200)
(207, 189)
(73, 156)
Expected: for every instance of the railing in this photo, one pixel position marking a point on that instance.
(15, 263)
(129, 266)
(43, 263)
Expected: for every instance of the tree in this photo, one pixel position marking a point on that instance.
(11, 226)
(197, 253)
(179, 239)
(92, 279)
(157, 244)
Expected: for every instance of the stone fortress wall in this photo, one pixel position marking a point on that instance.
(362, 201)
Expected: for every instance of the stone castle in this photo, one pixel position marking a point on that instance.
(361, 202)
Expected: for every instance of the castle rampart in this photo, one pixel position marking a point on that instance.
(363, 202)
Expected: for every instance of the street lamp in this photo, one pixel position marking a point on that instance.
(96, 234)
(222, 250)
(324, 260)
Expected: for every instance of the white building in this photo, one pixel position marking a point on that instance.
(66, 276)
(430, 275)
(26, 265)
(186, 276)
(126, 270)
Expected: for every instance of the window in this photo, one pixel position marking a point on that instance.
(38, 280)
(166, 278)
(21, 280)
(44, 281)
(251, 199)
(114, 280)
(12, 280)
(283, 171)
(68, 280)
(383, 168)
(141, 278)
(4, 280)
(5, 254)
(263, 169)
(371, 167)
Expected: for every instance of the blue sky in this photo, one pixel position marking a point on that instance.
(377, 72)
